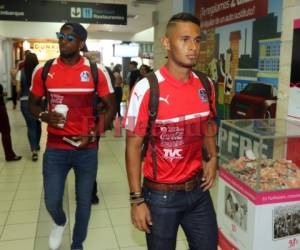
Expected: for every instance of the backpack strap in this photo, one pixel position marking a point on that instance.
(208, 88)
(94, 71)
(152, 110)
(45, 72)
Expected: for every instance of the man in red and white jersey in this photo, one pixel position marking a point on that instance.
(177, 192)
(70, 142)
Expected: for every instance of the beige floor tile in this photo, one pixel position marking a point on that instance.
(101, 239)
(26, 244)
(28, 194)
(3, 217)
(31, 185)
(22, 217)
(8, 179)
(128, 236)
(19, 231)
(117, 201)
(114, 188)
(22, 205)
(5, 206)
(134, 248)
(8, 186)
(120, 216)
(7, 195)
(99, 218)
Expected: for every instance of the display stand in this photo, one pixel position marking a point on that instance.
(258, 198)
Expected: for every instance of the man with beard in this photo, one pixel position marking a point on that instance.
(176, 189)
(71, 139)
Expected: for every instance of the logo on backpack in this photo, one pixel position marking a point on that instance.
(84, 76)
(203, 96)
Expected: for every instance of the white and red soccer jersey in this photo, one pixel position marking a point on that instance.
(178, 131)
(72, 85)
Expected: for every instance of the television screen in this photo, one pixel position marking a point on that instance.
(126, 50)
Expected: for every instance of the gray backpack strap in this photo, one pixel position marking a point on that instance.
(152, 110)
(45, 72)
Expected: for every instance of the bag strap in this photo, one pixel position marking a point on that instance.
(94, 71)
(45, 72)
(207, 85)
(152, 110)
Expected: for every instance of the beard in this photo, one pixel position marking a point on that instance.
(68, 55)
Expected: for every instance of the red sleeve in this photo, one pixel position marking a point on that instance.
(37, 87)
(104, 83)
(213, 99)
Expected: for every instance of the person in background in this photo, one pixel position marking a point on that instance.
(133, 74)
(118, 86)
(144, 70)
(5, 130)
(175, 189)
(13, 74)
(71, 142)
(34, 129)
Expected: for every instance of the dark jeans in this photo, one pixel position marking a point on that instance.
(5, 134)
(118, 95)
(192, 210)
(56, 165)
(33, 127)
(14, 94)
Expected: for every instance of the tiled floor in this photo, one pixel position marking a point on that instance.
(24, 222)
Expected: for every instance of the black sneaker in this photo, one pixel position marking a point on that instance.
(95, 200)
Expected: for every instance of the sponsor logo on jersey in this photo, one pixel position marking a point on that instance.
(203, 96)
(173, 154)
(84, 76)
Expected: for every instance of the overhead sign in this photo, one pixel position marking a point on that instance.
(215, 13)
(51, 11)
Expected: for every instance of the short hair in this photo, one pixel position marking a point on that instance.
(134, 63)
(183, 17)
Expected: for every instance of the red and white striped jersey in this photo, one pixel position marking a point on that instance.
(178, 131)
(72, 85)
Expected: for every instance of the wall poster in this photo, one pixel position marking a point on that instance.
(240, 50)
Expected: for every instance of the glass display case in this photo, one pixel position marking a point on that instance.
(261, 153)
(259, 181)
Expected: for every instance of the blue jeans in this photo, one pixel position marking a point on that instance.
(56, 165)
(34, 129)
(193, 210)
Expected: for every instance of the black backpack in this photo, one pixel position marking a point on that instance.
(153, 108)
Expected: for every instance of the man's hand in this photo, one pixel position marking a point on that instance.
(209, 173)
(85, 140)
(141, 218)
(53, 118)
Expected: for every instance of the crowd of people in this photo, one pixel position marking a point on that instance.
(76, 90)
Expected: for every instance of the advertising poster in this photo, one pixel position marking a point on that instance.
(240, 46)
(294, 90)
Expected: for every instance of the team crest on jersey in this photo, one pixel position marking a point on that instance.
(203, 96)
(84, 76)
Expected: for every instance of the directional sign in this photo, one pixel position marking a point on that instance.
(75, 12)
(52, 11)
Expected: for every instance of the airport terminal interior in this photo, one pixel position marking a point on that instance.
(248, 48)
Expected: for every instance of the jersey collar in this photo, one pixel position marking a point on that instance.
(166, 74)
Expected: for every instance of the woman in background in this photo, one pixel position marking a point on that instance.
(118, 84)
(23, 86)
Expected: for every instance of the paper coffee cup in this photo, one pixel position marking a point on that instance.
(62, 109)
